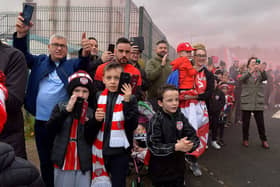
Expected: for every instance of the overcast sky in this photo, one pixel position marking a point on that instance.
(217, 22)
(213, 22)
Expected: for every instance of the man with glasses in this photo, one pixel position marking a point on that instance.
(47, 85)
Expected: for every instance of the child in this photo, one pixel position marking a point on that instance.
(169, 137)
(71, 154)
(183, 64)
(217, 103)
(117, 117)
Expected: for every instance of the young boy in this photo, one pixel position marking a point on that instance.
(117, 118)
(169, 137)
(71, 154)
(217, 103)
(183, 64)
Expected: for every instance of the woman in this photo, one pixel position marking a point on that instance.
(193, 104)
(252, 99)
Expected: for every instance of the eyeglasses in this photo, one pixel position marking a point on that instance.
(56, 45)
(201, 56)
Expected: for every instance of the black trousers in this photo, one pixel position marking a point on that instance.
(246, 116)
(43, 144)
(117, 167)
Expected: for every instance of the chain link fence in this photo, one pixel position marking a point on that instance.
(106, 24)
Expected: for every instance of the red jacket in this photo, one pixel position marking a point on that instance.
(186, 72)
(128, 68)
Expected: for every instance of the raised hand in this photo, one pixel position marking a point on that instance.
(85, 45)
(163, 62)
(71, 103)
(127, 91)
(99, 114)
(107, 56)
(21, 28)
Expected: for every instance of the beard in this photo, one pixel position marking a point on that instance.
(161, 54)
(123, 60)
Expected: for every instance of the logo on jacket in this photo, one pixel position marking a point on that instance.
(179, 125)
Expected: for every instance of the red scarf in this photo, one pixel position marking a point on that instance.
(117, 139)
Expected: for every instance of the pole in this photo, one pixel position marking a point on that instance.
(127, 18)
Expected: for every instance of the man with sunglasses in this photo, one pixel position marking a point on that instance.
(47, 85)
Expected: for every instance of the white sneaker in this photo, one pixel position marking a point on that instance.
(215, 145)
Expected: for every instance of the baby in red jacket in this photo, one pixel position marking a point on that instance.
(183, 64)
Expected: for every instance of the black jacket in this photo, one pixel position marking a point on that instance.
(217, 102)
(14, 67)
(59, 128)
(162, 134)
(130, 111)
(15, 171)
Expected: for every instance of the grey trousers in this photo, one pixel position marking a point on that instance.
(71, 178)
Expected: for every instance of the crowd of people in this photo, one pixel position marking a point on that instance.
(89, 118)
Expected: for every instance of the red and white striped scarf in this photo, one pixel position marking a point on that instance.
(100, 177)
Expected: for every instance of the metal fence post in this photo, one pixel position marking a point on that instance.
(140, 29)
(127, 18)
(150, 39)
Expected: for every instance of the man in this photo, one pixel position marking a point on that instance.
(14, 67)
(234, 70)
(47, 86)
(95, 60)
(157, 69)
(122, 54)
(134, 60)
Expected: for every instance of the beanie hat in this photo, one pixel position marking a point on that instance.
(184, 47)
(80, 78)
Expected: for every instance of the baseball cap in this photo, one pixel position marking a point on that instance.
(184, 47)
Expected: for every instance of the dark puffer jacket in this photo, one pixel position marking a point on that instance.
(15, 171)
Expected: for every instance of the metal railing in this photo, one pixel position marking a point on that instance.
(106, 24)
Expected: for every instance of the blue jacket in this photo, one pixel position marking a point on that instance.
(41, 66)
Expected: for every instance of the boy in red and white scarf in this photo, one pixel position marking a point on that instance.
(117, 116)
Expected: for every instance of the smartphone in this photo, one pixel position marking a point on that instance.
(27, 13)
(125, 78)
(133, 82)
(111, 48)
(77, 111)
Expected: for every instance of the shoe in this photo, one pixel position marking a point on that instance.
(195, 169)
(265, 144)
(215, 145)
(221, 143)
(245, 143)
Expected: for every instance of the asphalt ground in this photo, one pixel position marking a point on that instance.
(233, 165)
(238, 166)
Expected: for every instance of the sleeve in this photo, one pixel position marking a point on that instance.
(245, 76)
(154, 139)
(130, 110)
(92, 65)
(16, 77)
(210, 86)
(152, 70)
(21, 44)
(263, 76)
(57, 118)
(189, 132)
(93, 126)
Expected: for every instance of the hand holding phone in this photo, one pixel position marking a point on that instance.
(111, 48)
(27, 14)
(124, 78)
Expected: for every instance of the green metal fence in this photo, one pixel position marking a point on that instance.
(106, 24)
